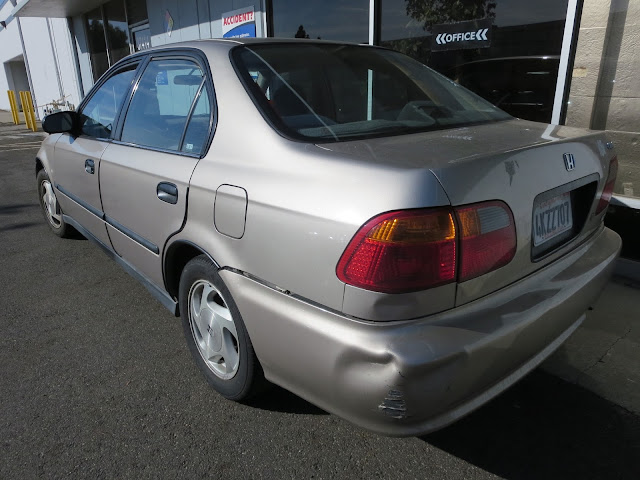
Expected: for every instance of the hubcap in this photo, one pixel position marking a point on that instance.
(50, 204)
(213, 329)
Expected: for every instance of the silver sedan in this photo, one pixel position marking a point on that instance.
(337, 219)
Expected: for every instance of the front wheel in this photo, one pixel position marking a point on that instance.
(215, 332)
(50, 207)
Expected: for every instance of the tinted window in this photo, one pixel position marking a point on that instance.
(197, 132)
(100, 112)
(159, 109)
(97, 44)
(117, 31)
(338, 92)
(346, 20)
(516, 68)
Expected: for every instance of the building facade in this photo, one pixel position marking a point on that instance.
(571, 62)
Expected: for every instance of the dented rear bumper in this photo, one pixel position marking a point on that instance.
(413, 377)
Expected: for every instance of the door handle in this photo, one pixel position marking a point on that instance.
(167, 192)
(89, 166)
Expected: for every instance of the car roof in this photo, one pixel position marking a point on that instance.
(229, 43)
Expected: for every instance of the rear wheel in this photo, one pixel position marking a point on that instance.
(216, 334)
(50, 206)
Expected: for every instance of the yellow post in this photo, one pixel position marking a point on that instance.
(27, 109)
(32, 113)
(14, 107)
(23, 101)
(24, 109)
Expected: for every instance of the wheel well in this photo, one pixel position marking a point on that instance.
(178, 255)
(39, 165)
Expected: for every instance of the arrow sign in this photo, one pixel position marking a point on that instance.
(461, 35)
(482, 34)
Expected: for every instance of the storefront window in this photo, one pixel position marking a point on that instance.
(507, 51)
(97, 43)
(117, 31)
(137, 11)
(346, 20)
(126, 22)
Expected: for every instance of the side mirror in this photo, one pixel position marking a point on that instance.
(60, 122)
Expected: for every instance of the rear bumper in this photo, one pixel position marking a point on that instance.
(413, 377)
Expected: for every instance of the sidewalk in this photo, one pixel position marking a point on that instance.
(7, 127)
(603, 355)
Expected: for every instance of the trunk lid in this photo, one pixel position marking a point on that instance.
(518, 162)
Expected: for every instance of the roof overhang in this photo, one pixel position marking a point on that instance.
(54, 8)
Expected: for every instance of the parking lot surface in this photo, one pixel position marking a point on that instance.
(97, 382)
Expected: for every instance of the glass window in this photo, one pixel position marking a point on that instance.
(335, 92)
(137, 11)
(159, 109)
(99, 114)
(97, 44)
(108, 32)
(117, 30)
(141, 38)
(516, 67)
(346, 20)
(197, 132)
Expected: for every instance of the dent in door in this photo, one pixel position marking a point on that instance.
(230, 210)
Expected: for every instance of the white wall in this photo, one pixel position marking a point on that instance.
(43, 50)
(46, 42)
(10, 49)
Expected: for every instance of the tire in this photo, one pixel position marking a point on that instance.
(50, 207)
(215, 333)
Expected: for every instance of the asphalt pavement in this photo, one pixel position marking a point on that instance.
(96, 382)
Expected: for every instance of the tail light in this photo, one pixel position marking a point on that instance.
(605, 198)
(487, 238)
(410, 250)
(402, 251)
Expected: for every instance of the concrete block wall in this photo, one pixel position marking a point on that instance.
(605, 85)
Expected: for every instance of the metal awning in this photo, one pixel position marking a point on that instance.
(54, 8)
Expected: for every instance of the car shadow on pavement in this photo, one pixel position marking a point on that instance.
(547, 428)
(18, 208)
(19, 226)
(277, 399)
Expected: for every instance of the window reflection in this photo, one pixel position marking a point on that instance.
(117, 31)
(345, 20)
(97, 45)
(517, 72)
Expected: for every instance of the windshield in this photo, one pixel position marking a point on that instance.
(326, 92)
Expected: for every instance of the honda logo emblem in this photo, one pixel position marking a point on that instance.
(569, 161)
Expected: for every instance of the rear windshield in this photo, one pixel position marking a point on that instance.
(326, 92)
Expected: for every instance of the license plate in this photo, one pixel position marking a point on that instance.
(551, 218)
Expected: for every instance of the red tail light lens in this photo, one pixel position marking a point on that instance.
(605, 198)
(402, 251)
(487, 238)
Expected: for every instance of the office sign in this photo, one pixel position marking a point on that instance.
(461, 35)
(239, 23)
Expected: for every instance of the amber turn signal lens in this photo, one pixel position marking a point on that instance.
(402, 251)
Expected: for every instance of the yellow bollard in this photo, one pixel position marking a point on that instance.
(32, 113)
(14, 107)
(27, 109)
(23, 101)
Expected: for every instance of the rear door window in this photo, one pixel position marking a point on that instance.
(197, 132)
(160, 108)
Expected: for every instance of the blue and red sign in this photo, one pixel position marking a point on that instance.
(239, 23)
